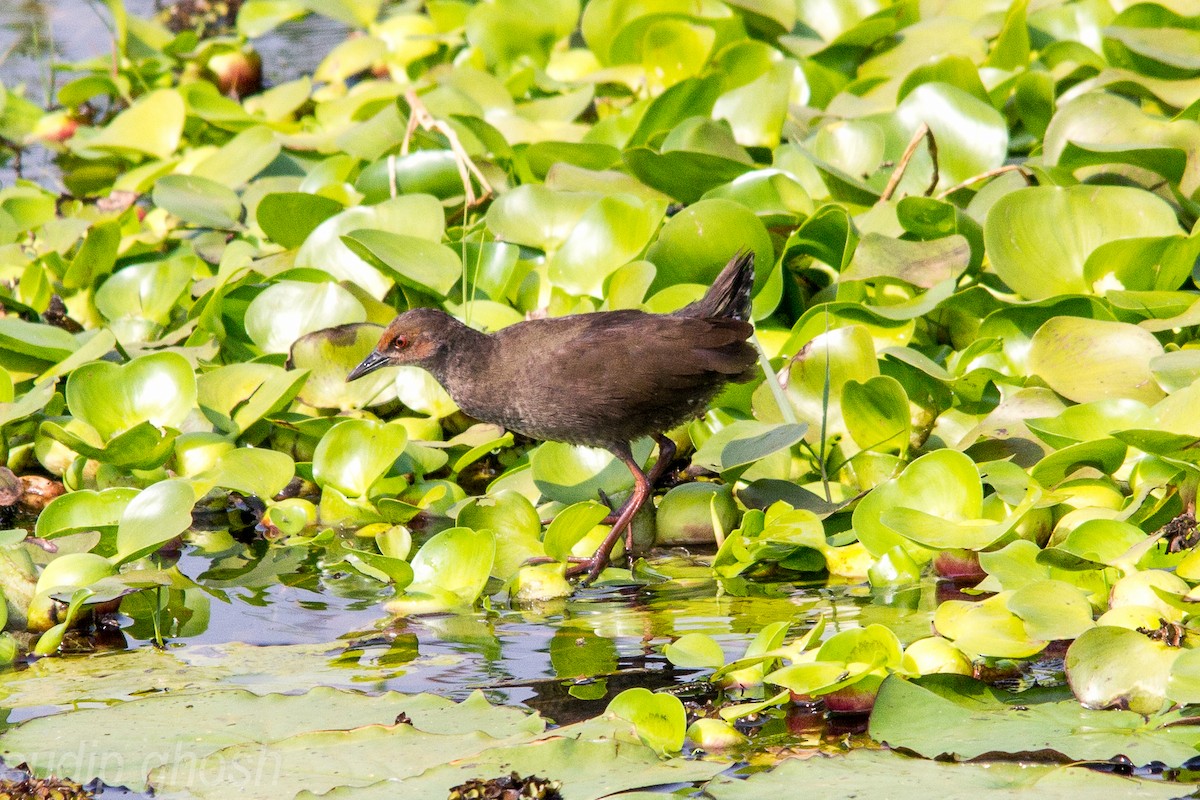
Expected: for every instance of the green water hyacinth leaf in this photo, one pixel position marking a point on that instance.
(1090, 421)
(199, 201)
(922, 264)
(335, 508)
(353, 454)
(816, 376)
(1089, 359)
(251, 471)
(673, 50)
(95, 256)
(243, 394)
(240, 159)
(159, 388)
(695, 513)
(1151, 264)
(874, 644)
(421, 392)
(478, 451)
(1105, 455)
(971, 135)
(571, 474)
(743, 443)
(418, 215)
(695, 650)
(684, 175)
(491, 268)
(536, 216)
(34, 341)
(757, 110)
(544, 156)
(792, 537)
(817, 678)
(1111, 667)
(1176, 370)
(659, 719)
(84, 510)
(1093, 544)
(328, 355)
(1183, 682)
(610, 233)
(987, 628)
(1033, 254)
(941, 533)
(144, 446)
(943, 484)
(289, 217)
(515, 523)
(157, 515)
(152, 126)
(433, 172)
(409, 260)
(775, 196)
(29, 403)
(1177, 414)
(763, 653)
(614, 30)
(387, 569)
(508, 31)
(695, 244)
(285, 311)
(1103, 129)
(147, 291)
(876, 414)
(570, 526)
(449, 571)
(1154, 40)
(49, 642)
(846, 149)
(1052, 610)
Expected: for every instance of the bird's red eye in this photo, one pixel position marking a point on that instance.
(400, 342)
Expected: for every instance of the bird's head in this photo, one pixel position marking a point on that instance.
(418, 337)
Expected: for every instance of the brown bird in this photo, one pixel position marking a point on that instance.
(604, 379)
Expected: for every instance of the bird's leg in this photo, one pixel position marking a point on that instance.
(666, 454)
(624, 522)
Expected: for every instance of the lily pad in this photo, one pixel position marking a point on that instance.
(880, 773)
(159, 730)
(963, 719)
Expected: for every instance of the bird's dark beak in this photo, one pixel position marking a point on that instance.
(372, 362)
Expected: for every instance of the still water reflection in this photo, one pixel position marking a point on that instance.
(565, 658)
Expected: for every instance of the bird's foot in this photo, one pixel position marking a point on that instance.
(590, 568)
(535, 560)
(576, 566)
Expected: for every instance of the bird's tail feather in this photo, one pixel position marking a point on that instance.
(729, 296)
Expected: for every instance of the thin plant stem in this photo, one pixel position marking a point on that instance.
(922, 132)
(774, 384)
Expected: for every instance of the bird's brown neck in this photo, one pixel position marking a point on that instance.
(463, 351)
